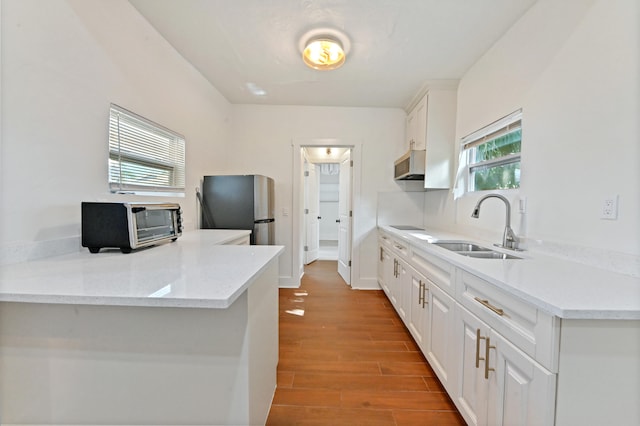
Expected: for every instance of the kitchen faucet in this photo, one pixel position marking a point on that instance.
(509, 239)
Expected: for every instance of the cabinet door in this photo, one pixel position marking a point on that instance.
(388, 271)
(402, 294)
(381, 267)
(411, 127)
(440, 334)
(521, 392)
(471, 390)
(418, 307)
(421, 123)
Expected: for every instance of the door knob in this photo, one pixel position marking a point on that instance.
(319, 217)
(337, 220)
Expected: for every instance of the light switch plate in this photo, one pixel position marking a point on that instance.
(522, 205)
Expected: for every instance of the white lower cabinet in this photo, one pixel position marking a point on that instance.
(393, 273)
(403, 291)
(439, 345)
(472, 389)
(504, 361)
(521, 392)
(385, 269)
(481, 342)
(418, 306)
(497, 383)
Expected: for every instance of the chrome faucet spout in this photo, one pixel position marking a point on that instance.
(509, 239)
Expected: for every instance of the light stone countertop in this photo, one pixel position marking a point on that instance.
(560, 287)
(195, 271)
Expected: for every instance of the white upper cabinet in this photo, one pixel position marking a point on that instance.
(431, 126)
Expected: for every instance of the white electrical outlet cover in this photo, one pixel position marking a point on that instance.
(610, 208)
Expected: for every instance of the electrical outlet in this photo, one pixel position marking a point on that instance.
(610, 208)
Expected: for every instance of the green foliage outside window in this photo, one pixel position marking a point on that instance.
(497, 177)
(503, 175)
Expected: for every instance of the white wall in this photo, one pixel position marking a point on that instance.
(573, 67)
(63, 62)
(263, 137)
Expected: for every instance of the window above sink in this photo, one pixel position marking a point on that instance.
(490, 157)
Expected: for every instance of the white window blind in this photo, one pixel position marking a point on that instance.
(143, 155)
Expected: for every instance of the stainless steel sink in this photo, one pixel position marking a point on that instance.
(489, 255)
(467, 248)
(460, 246)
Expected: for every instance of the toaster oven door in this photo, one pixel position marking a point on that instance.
(153, 224)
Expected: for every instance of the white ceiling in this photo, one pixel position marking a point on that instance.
(248, 49)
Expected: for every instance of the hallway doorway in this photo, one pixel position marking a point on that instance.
(327, 194)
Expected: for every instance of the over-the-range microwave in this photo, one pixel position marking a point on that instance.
(410, 166)
(129, 226)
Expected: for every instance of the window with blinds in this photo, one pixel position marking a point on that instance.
(492, 155)
(144, 156)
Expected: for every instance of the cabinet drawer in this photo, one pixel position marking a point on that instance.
(533, 331)
(384, 240)
(396, 246)
(437, 270)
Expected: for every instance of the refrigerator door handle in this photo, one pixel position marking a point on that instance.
(264, 221)
(205, 209)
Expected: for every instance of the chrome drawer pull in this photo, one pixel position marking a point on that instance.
(486, 304)
(421, 294)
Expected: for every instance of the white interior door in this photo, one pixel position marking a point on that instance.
(311, 213)
(344, 218)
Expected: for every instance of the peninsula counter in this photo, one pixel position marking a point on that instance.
(181, 333)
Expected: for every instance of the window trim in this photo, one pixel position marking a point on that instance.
(498, 128)
(168, 160)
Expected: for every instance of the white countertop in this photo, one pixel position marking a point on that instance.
(195, 271)
(563, 288)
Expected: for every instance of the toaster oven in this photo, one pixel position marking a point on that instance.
(129, 226)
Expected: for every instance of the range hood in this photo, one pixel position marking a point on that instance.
(411, 165)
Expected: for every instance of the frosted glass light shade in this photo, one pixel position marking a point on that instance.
(323, 54)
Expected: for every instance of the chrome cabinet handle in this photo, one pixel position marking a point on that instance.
(421, 294)
(381, 254)
(488, 305)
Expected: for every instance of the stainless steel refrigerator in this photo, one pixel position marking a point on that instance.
(240, 202)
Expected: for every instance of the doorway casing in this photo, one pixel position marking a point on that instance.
(298, 206)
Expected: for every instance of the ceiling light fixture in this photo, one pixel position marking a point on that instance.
(328, 151)
(324, 48)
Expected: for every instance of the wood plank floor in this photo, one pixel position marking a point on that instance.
(347, 359)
